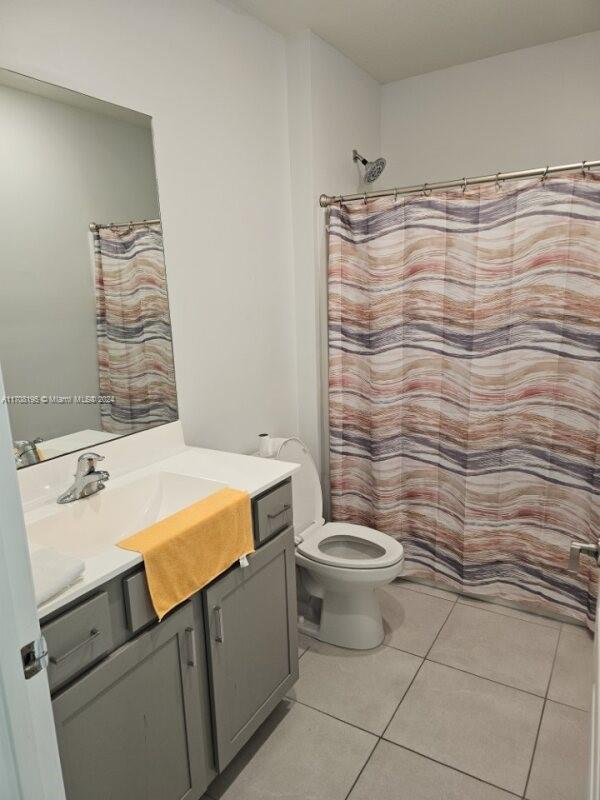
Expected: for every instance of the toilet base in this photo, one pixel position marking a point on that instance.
(348, 620)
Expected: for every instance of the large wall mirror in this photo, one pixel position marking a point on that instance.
(85, 334)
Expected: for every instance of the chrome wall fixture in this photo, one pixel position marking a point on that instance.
(373, 169)
(95, 226)
(426, 188)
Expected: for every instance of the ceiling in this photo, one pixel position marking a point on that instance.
(394, 39)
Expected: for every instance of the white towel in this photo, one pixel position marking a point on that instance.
(53, 572)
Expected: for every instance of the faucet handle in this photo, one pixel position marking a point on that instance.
(87, 462)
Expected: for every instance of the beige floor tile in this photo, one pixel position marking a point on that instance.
(425, 588)
(497, 647)
(507, 611)
(571, 681)
(412, 619)
(297, 754)
(394, 773)
(560, 764)
(304, 643)
(359, 687)
(477, 726)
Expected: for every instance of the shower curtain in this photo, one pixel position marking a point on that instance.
(464, 388)
(135, 354)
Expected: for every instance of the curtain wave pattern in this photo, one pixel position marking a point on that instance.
(464, 383)
(135, 354)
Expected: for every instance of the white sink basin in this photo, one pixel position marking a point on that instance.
(87, 527)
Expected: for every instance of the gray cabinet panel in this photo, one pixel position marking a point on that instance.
(273, 512)
(139, 610)
(131, 728)
(78, 638)
(253, 652)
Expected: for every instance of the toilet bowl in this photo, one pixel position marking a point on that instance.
(339, 564)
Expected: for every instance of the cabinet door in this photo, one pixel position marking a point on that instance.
(253, 649)
(130, 729)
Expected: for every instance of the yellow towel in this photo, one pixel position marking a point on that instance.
(185, 551)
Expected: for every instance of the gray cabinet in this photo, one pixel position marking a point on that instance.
(252, 643)
(131, 728)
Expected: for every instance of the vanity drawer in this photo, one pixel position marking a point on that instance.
(78, 638)
(139, 610)
(273, 512)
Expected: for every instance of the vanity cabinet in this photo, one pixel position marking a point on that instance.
(148, 710)
(131, 728)
(252, 645)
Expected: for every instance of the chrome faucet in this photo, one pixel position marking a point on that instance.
(26, 452)
(88, 480)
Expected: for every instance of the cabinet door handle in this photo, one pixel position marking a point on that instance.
(191, 647)
(279, 513)
(59, 659)
(219, 632)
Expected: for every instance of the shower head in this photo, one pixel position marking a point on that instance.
(373, 169)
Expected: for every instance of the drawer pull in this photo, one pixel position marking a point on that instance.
(279, 513)
(191, 647)
(219, 632)
(59, 659)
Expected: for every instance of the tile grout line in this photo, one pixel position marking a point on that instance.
(381, 735)
(490, 680)
(455, 769)
(479, 605)
(402, 585)
(426, 658)
(362, 769)
(472, 601)
(539, 728)
(418, 669)
(332, 716)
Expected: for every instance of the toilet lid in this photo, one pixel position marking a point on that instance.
(351, 546)
(306, 487)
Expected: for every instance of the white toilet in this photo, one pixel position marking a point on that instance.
(339, 563)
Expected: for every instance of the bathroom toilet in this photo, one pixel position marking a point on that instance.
(339, 564)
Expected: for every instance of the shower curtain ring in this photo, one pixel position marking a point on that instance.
(545, 175)
(426, 192)
(498, 181)
(396, 195)
(583, 167)
(464, 186)
(365, 198)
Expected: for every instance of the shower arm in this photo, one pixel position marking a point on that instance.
(356, 156)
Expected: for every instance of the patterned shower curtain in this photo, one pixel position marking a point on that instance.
(135, 354)
(464, 341)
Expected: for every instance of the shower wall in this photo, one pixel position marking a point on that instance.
(532, 107)
(334, 106)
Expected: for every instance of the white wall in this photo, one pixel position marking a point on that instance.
(215, 83)
(524, 109)
(334, 106)
(61, 168)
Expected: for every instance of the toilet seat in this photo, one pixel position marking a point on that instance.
(341, 544)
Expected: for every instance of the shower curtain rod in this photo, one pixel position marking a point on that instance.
(95, 226)
(328, 200)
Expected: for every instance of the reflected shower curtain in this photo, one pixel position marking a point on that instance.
(135, 354)
(464, 389)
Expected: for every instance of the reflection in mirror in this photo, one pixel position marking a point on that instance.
(85, 333)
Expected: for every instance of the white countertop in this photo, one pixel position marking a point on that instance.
(248, 473)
